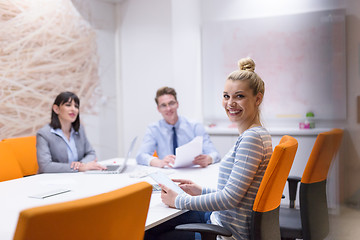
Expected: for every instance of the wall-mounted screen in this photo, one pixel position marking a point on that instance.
(300, 57)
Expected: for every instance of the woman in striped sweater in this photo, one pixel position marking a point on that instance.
(240, 171)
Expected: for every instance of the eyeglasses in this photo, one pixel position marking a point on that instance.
(171, 104)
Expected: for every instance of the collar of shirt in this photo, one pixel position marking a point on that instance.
(169, 126)
(70, 143)
(60, 133)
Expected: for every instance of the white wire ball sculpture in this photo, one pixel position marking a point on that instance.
(46, 47)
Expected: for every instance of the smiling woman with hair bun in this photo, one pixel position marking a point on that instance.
(241, 169)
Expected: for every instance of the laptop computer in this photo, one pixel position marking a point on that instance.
(116, 168)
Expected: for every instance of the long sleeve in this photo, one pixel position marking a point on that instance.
(244, 168)
(44, 157)
(158, 137)
(51, 151)
(147, 148)
(85, 151)
(240, 175)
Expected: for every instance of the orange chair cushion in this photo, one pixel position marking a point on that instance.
(24, 149)
(325, 149)
(10, 168)
(272, 185)
(119, 214)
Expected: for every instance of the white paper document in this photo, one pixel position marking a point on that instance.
(185, 154)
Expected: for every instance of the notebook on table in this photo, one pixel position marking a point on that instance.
(116, 168)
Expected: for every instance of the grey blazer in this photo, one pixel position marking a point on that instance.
(51, 150)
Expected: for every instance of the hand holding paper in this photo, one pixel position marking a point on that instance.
(185, 154)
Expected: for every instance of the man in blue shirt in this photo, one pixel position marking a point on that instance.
(159, 136)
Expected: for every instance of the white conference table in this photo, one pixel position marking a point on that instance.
(15, 193)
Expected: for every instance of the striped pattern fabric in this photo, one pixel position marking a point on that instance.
(240, 175)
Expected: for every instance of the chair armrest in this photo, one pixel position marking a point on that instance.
(207, 231)
(293, 184)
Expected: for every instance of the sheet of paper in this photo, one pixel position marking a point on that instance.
(185, 154)
(163, 179)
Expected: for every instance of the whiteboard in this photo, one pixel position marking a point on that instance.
(301, 58)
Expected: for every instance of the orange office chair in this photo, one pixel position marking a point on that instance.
(120, 214)
(265, 214)
(24, 149)
(10, 168)
(311, 221)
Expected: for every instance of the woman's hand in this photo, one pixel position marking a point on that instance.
(189, 187)
(167, 161)
(75, 165)
(168, 196)
(93, 165)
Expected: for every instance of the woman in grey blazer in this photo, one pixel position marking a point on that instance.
(62, 146)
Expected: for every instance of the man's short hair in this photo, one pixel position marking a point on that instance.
(164, 91)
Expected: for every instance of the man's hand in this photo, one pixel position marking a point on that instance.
(167, 161)
(203, 160)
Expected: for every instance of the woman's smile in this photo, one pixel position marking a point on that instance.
(234, 112)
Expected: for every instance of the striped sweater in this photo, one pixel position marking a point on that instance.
(240, 174)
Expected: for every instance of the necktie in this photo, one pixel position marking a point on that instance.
(175, 145)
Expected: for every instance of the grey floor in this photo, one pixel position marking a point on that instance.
(345, 225)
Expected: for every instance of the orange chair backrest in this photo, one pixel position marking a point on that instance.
(272, 185)
(24, 149)
(10, 168)
(120, 214)
(325, 149)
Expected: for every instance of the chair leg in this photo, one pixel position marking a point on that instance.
(208, 236)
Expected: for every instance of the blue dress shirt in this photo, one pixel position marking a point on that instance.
(158, 137)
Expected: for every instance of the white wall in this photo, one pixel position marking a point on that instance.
(101, 127)
(214, 10)
(232, 9)
(235, 9)
(186, 57)
(158, 43)
(351, 163)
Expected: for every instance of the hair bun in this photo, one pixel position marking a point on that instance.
(247, 64)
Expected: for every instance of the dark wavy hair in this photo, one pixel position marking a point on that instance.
(62, 98)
